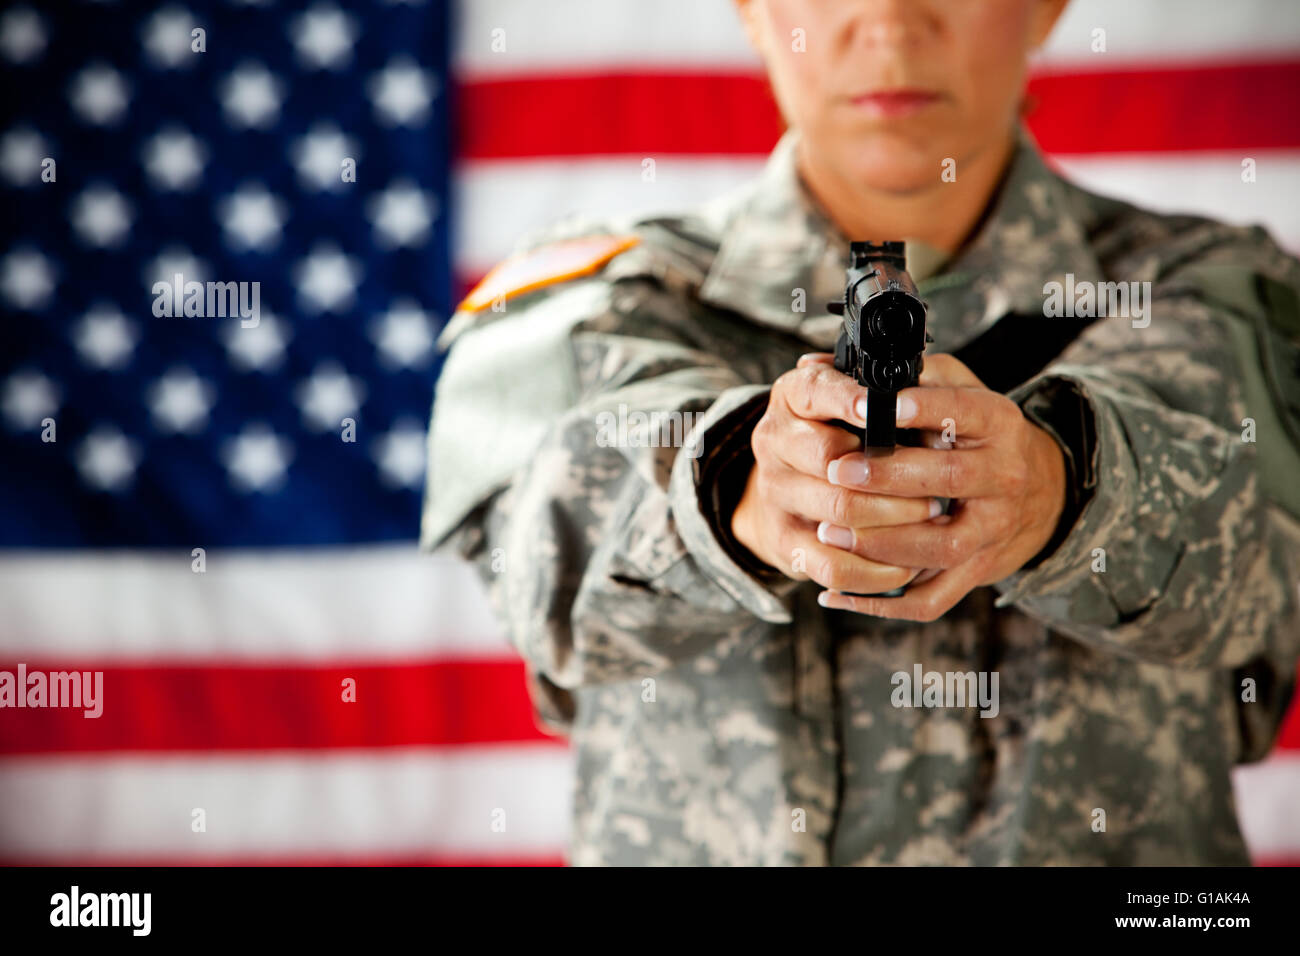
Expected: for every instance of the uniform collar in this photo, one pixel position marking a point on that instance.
(777, 240)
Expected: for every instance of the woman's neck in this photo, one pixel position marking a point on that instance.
(941, 215)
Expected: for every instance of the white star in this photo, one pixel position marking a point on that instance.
(173, 260)
(174, 159)
(318, 157)
(99, 94)
(22, 36)
(252, 218)
(180, 401)
(107, 459)
(329, 396)
(400, 455)
(251, 96)
(401, 215)
(401, 92)
(26, 279)
(257, 458)
(256, 348)
(327, 280)
(323, 37)
(21, 153)
(104, 338)
(101, 216)
(167, 38)
(29, 398)
(403, 336)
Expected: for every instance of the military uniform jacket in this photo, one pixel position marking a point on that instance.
(719, 715)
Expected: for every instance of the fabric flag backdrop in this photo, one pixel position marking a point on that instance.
(467, 127)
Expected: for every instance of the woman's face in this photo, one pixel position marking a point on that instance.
(884, 91)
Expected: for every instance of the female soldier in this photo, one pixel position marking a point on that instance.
(1110, 573)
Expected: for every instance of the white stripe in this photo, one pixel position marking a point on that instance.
(567, 36)
(408, 802)
(369, 603)
(1268, 805)
(502, 201)
(1145, 32)
(1205, 184)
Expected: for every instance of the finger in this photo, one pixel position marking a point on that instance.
(923, 472)
(970, 413)
(933, 544)
(804, 446)
(820, 392)
(920, 602)
(843, 508)
(933, 439)
(943, 369)
(841, 571)
(815, 358)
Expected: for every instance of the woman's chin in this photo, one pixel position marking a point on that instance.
(896, 177)
(888, 164)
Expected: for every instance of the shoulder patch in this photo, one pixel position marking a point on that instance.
(546, 265)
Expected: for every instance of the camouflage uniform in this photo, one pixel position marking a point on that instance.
(771, 737)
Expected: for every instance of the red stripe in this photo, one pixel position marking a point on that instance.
(1221, 107)
(638, 113)
(413, 860)
(1289, 736)
(225, 706)
(1218, 107)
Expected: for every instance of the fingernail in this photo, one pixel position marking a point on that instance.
(835, 536)
(936, 507)
(824, 599)
(905, 410)
(860, 408)
(849, 470)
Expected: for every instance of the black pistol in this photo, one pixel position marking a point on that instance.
(883, 337)
(881, 344)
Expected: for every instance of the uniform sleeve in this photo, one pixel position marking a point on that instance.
(1176, 557)
(567, 466)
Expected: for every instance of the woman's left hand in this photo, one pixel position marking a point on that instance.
(1006, 476)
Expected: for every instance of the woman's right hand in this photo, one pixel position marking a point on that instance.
(791, 515)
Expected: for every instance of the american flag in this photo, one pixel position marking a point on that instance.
(201, 529)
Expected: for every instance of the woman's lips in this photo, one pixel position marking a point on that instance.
(895, 103)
